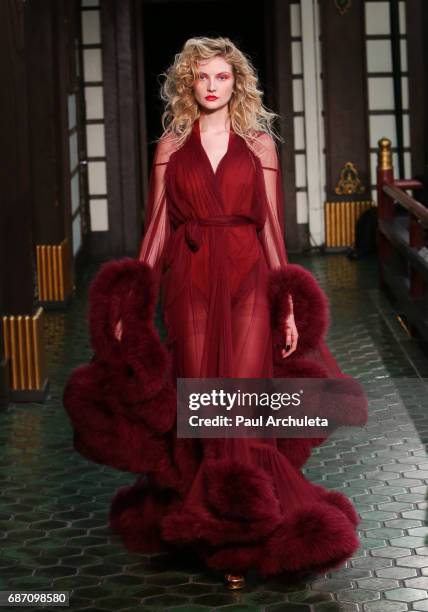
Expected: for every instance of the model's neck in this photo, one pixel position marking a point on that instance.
(214, 122)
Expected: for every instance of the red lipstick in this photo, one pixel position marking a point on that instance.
(211, 98)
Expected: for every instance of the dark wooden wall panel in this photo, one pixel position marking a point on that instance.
(141, 131)
(62, 22)
(16, 273)
(50, 60)
(345, 95)
(279, 48)
(41, 57)
(417, 50)
(121, 130)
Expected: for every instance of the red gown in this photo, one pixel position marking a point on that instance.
(212, 237)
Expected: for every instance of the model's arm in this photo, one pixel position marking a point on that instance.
(156, 226)
(272, 235)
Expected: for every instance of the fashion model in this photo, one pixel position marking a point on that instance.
(214, 244)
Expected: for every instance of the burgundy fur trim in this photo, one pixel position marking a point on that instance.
(135, 513)
(316, 536)
(336, 498)
(158, 413)
(297, 367)
(79, 392)
(145, 363)
(122, 402)
(122, 449)
(103, 433)
(186, 526)
(297, 450)
(122, 289)
(347, 402)
(310, 306)
(237, 491)
(126, 289)
(96, 389)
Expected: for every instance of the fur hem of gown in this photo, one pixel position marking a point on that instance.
(236, 516)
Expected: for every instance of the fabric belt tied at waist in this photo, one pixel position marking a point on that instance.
(193, 227)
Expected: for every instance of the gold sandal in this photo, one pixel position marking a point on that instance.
(235, 581)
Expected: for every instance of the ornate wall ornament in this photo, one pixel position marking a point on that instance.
(349, 182)
(342, 5)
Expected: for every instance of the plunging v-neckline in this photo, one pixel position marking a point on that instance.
(198, 133)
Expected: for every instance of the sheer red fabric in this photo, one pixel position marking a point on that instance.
(212, 236)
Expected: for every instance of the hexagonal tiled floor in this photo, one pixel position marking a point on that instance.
(54, 503)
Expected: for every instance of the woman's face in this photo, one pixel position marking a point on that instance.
(214, 84)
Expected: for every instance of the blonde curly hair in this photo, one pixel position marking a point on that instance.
(248, 115)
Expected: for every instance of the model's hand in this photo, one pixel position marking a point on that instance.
(118, 330)
(290, 332)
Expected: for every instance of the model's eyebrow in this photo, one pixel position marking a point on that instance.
(222, 72)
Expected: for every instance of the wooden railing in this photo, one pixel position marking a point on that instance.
(402, 242)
